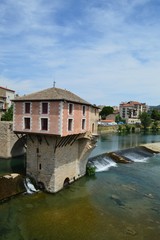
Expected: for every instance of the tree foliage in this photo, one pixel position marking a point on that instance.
(145, 120)
(8, 115)
(155, 126)
(119, 119)
(106, 111)
(155, 114)
(90, 170)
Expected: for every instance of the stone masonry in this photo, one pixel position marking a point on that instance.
(53, 159)
(10, 145)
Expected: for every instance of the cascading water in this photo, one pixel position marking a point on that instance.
(102, 163)
(30, 188)
(136, 154)
(136, 157)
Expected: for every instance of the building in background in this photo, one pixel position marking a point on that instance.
(130, 111)
(6, 95)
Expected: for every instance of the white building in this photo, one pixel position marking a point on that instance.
(130, 111)
(6, 95)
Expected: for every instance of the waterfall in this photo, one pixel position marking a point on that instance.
(102, 163)
(30, 188)
(136, 154)
(136, 157)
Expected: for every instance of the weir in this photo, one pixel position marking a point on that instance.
(105, 161)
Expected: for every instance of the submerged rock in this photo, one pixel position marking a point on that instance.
(117, 200)
(130, 231)
(10, 185)
(129, 187)
(149, 195)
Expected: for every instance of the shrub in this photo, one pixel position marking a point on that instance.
(90, 170)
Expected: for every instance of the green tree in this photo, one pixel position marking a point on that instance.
(8, 115)
(145, 120)
(155, 126)
(106, 111)
(155, 114)
(128, 128)
(119, 119)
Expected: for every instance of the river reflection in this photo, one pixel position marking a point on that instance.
(120, 204)
(113, 141)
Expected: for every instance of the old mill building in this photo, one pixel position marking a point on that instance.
(61, 131)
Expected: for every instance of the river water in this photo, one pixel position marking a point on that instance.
(121, 203)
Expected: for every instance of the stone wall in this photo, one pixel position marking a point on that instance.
(9, 141)
(11, 185)
(51, 163)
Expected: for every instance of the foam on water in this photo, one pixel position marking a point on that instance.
(136, 157)
(29, 186)
(103, 164)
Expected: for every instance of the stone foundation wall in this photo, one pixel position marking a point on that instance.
(11, 185)
(51, 164)
(40, 157)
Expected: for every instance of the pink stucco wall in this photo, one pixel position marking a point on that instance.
(58, 116)
(77, 117)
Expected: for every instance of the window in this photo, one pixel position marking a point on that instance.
(83, 124)
(44, 124)
(27, 107)
(84, 110)
(1, 105)
(92, 127)
(44, 108)
(70, 108)
(70, 124)
(27, 123)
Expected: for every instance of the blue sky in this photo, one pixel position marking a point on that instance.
(105, 51)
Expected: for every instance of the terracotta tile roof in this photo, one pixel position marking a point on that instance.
(108, 121)
(52, 94)
(7, 89)
(131, 104)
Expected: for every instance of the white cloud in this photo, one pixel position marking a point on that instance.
(98, 49)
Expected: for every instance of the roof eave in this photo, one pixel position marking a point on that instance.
(52, 100)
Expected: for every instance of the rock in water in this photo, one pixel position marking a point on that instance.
(117, 200)
(10, 185)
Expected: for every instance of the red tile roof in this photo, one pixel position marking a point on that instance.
(53, 94)
(7, 89)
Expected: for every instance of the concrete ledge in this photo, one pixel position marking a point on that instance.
(153, 147)
(11, 185)
(118, 158)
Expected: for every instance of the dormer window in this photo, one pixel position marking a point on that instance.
(27, 107)
(70, 108)
(44, 107)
